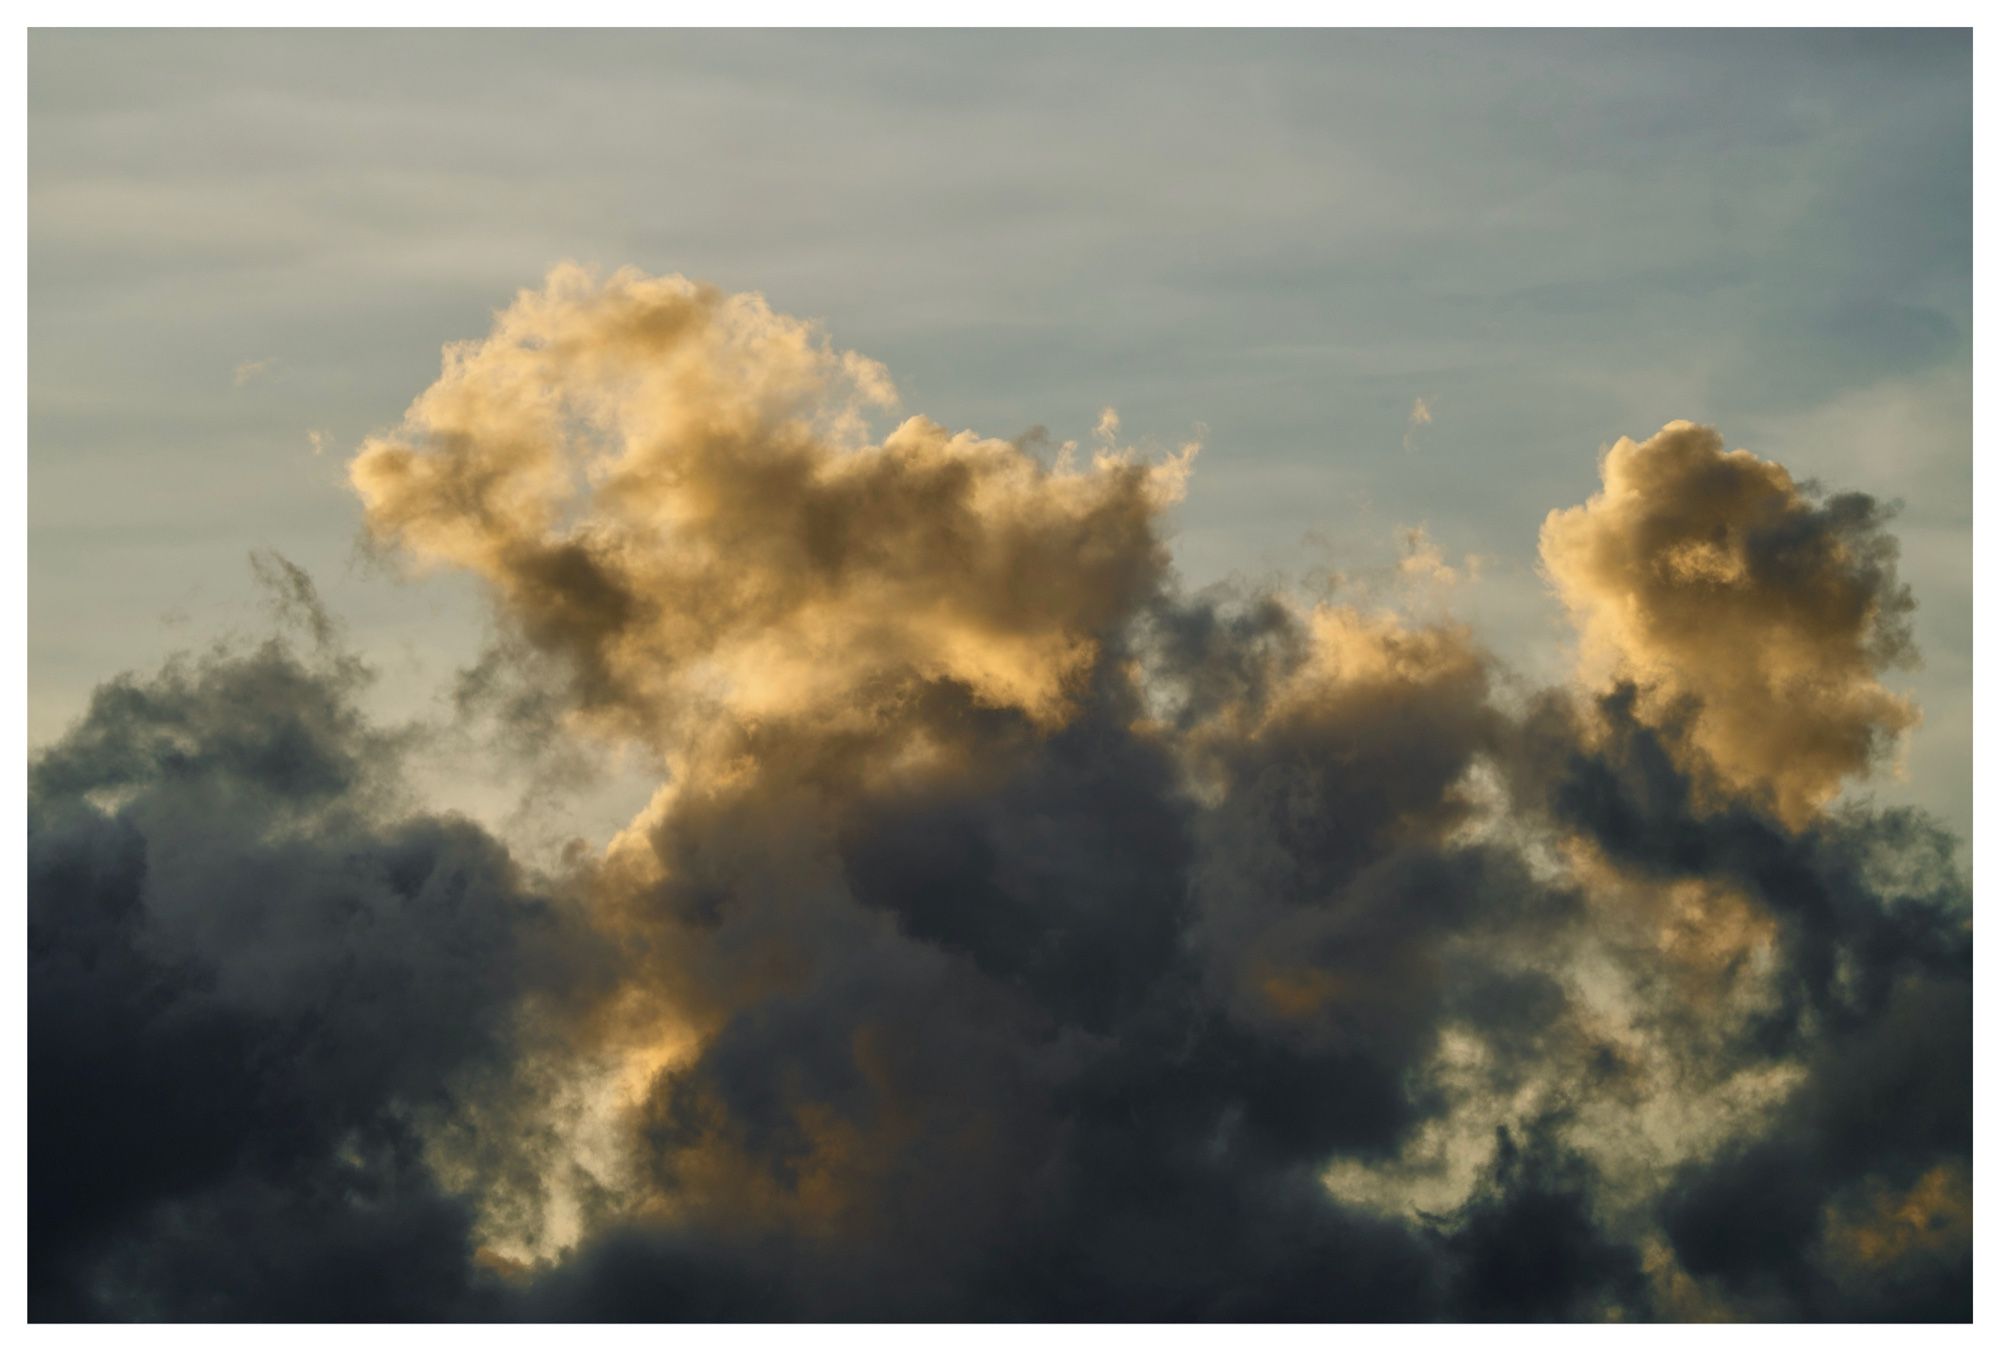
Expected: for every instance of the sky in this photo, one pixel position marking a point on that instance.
(247, 246)
(986, 676)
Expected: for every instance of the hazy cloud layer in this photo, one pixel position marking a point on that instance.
(1012, 933)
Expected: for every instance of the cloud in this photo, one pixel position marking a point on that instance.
(257, 369)
(1420, 416)
(1011, 933)
(657, 481)
(1743, 605)
(251, 980)
(1424, 561)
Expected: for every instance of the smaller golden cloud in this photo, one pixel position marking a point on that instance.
(1720, 586)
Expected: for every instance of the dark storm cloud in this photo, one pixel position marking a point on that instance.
(1020, 1068)
(1011, 935)
(1528, 1245)
(1874, 1002)
(249, 981)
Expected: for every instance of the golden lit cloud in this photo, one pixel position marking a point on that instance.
(1733, 597)
(671, 491)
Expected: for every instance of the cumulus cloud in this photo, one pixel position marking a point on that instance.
(1012, 934)
(662, 485)
(1741, 603)
(253, 977)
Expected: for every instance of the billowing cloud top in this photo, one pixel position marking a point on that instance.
(667, 489)
(1012, 934)
(1713, 581)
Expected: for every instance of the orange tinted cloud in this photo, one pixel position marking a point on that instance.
(1727, 591)
(672, 492)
